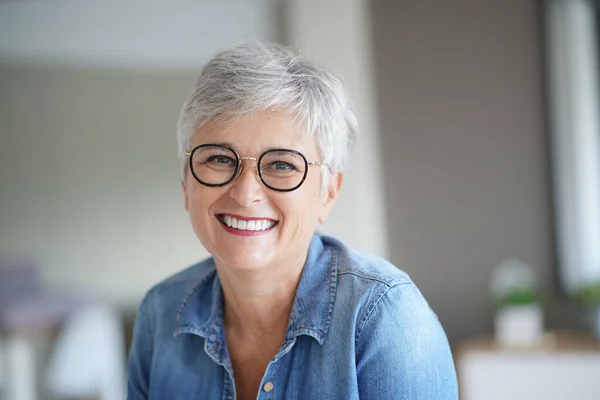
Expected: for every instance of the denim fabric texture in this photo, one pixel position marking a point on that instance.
(359, 328)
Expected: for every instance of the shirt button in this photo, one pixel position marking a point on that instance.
(267, 387)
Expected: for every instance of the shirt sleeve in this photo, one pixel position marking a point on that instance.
(140, 354)
(401, 349)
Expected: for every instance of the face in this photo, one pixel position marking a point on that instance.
(290, 218)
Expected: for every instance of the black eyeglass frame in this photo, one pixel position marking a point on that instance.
(239, 167)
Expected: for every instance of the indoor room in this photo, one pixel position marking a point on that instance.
(475, 171)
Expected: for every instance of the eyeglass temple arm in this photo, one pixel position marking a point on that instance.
(320, 164)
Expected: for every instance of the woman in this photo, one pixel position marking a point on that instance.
(277, 311)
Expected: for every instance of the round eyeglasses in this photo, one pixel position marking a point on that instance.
(281, 170)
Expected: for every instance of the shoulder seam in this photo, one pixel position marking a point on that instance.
(333, 264)
(374, 278)
(370, 308)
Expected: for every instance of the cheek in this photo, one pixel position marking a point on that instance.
(199, 201)
(301, 209)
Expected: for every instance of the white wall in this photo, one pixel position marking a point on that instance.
(89, 178)
(338, 33)
(89, 175)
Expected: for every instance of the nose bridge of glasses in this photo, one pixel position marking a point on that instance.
(241, 166)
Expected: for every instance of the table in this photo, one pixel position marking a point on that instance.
(561, 366)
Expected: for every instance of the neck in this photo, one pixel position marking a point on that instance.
(259, 302)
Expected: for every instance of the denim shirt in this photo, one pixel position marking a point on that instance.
(358, 328)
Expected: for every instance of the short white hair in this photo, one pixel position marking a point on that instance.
(252, 77)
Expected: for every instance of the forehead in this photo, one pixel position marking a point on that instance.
(257, 132)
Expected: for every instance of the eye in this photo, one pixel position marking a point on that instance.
(281, 166)
(221, 160)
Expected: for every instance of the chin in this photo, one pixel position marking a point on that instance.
(245, 261)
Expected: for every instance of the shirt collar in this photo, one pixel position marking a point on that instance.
(202, 307)
(201, 311)
(313, 306)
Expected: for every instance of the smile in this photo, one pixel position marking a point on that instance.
(247, 225)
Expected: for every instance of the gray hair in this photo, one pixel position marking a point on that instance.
(252, 77)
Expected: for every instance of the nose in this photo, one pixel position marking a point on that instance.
(247, 188)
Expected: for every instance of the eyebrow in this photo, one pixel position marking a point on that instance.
(231, 145)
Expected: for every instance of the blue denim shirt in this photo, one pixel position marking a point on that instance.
(359, 328)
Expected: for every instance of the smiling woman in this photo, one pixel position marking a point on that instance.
(264, 139)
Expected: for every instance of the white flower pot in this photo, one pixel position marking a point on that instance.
(519, 325)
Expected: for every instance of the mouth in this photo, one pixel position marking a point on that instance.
(246, 224)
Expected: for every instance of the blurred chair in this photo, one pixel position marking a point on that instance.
(89, 333)
(25, 312)
(88, 357)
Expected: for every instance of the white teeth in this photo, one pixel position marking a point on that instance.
(252, 225)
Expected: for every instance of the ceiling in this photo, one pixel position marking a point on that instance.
(177, 34)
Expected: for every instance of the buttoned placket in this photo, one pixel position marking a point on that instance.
(267, 387)
(216, 350)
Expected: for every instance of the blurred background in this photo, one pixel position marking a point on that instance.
(478, 144)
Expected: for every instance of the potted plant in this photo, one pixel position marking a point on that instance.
(518, 319)
(589, 295)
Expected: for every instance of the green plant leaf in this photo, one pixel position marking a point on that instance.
(589, 294)
(518, 297)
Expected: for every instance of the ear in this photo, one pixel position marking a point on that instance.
(185, 195)
(329, 198)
